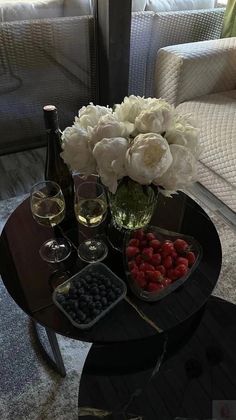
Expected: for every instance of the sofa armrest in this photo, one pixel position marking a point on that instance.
(187, 71)
(151, 31)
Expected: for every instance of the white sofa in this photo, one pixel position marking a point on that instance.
(48, 54)
(200, 78)
(12, 10)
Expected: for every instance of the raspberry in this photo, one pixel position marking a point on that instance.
(191, 258)
(167, 261)
(154, 287)
(140, 279)
(155, 244)
(174, 255)
(143, 243)
(150, 236)
(180, 270)
(172, 274)
(134, 273)
(162, 269)
(166, 282)
(138, 234)
(132, 264)
(139, 260)
(180, 246)
(181, 260)
(131, 251)
(146, 267)
(154, 276)
(147, 253)
(156, 259)
(134, 242)
(167, 248)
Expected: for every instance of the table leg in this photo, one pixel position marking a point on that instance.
(57, 361)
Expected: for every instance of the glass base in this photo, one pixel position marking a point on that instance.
(115, 236)
(92, 250)
(55, 250)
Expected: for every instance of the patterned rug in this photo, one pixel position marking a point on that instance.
(29, 388)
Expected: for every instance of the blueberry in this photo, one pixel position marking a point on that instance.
(101, 287)
(103, 293)
(107, 282)
(96, 298)
(117, 291)
(81, 283)
(94, 290)
(98, 305)
(81, 316)
(86, 310)
(111, 295)
(88, 278)
(82, 304)
(60, 299)
(96, 312)
(76, 305)
(81, 291)
(104, 301)
(72, 314)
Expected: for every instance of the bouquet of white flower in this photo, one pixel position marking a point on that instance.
(142, 138)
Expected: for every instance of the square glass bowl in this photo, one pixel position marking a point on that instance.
(162, 235)
(89, 295)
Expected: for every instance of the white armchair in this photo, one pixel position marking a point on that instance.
(151, 31)
(200, 78)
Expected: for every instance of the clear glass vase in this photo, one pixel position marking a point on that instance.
(133, 204)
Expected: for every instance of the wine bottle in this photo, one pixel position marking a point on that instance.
(56, 169)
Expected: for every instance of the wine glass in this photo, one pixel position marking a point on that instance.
(90, 211)
(48, 209)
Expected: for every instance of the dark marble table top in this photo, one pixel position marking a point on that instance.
(28, 278)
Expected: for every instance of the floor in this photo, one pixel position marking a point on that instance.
(19, 171)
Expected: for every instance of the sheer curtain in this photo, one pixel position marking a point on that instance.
(229, 27)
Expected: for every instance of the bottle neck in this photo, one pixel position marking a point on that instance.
(54, 141)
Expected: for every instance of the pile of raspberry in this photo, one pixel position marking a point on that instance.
(155, 264)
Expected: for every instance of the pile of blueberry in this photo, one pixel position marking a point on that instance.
(89, 295)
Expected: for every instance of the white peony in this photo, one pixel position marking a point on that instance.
(156, 118)
(130, 108)
(148, 158)
(89, 115)
(108, 126)
(182, 131)
(76, 150)
(110, 157)
(182, 171)
(143, 138)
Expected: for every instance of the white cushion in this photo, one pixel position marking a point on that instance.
(138, 5)
(77, 7)
(175, 5)
(85, 7)
(11, 10)
(215, 115)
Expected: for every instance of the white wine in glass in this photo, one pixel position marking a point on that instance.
(90, 211)
(48, 212)
(48, 209)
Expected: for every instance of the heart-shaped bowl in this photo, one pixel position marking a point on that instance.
(155, 270)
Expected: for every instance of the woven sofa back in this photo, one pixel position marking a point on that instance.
(151, 31)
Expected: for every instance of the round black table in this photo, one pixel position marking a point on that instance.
(28, 279)
(197, 383)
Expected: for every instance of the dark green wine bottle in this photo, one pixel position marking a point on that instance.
(56, 169)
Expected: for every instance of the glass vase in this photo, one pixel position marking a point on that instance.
(132, 205)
